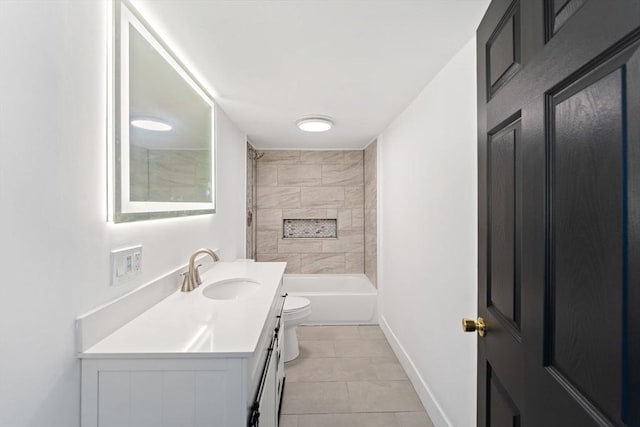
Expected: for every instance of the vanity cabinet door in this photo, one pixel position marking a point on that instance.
(280, 367)
(268, 412)
(162, 392)
(264, 412)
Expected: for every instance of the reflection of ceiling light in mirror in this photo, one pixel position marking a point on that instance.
(315, 124)
(151, 124)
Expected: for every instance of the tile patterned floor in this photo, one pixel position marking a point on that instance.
(348, 376)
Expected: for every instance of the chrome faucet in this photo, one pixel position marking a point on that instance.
(192, 276)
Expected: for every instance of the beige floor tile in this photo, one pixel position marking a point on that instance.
(288, 421)
(370, 332)
(378, 419)
(315, 398)
(348, 376)
(331, 369)
(388, 369)
(306, 333)
(327, 420)
(363, 348)
(413, 419)
(317, 348)
(382, 396)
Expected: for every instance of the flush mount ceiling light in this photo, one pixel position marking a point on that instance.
(315, 124)
(151, 124)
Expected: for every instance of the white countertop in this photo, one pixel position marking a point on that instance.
(188, 324)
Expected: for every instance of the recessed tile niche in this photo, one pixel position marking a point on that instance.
(310, 228)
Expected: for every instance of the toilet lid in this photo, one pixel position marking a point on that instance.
(295, 303)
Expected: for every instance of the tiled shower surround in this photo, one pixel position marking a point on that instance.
(310, 185)
(370, 213)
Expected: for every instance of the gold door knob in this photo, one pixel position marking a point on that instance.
(470, 325)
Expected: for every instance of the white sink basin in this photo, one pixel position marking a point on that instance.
(231, 289)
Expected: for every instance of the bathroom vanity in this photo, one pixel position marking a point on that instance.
(210, 357)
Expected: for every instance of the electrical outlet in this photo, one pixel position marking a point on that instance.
(126, 263)
(137, 261)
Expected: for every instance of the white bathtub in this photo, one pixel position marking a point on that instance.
(336, 299)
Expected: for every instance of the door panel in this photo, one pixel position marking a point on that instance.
(559, 213)
(502, 411)
(587, 242)
(503, 49)
(503, 295)
(559, 12)
(586, 239)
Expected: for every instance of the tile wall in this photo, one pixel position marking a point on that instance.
(370, 212)
(305, 185)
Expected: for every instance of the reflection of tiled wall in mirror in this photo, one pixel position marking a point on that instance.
(170, 175)
(139, 173)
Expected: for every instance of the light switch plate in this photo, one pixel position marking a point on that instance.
(126, 263)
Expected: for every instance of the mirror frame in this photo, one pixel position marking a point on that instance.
(120, 207)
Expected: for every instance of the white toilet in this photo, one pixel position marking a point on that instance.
(296, 310)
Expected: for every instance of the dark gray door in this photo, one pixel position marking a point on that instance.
(559, 213)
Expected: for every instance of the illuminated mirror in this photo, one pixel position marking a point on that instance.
(162, 128)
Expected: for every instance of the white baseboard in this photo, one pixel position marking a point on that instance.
(424, 393)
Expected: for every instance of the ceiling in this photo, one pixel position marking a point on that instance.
(269, 63)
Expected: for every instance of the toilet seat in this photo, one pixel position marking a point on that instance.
(293, 304)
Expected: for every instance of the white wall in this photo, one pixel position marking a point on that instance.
(54, 238)
(427, 259)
